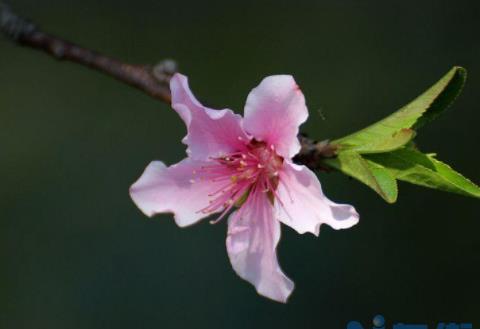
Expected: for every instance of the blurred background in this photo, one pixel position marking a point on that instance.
(76, 253)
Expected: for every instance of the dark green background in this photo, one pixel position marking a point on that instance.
(76, 253)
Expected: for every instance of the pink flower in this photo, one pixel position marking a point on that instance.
(244, 163)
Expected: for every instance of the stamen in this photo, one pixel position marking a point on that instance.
(238, 176)
(228, 204)
(223, 190)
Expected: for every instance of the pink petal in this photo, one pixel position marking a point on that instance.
(303, 205)
(211, 133)
(253, 235)
(173, 189)
(274, 111)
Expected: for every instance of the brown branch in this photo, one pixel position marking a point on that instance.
(312, 153)
(153, 80)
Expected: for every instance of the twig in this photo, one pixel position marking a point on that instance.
(153, 80)
(312, 153)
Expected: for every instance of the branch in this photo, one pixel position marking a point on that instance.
(313, 153)
(153, 80)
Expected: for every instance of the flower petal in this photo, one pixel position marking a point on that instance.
(304, 207)
(211, 133)
(253, 235)
(274, 111)
(173, 189)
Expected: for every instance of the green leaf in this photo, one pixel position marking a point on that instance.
(412, 166)
(421, 110)
(386, 144)
(367, 172)
(384, 152)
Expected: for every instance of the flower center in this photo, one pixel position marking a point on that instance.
(251, 170)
